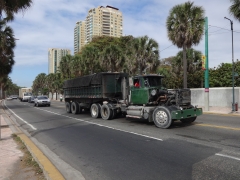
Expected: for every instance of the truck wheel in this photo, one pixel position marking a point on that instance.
(106, 112)
(162, 117)
(95, 110)
(189, 120)
(75, 107)
(68, 107)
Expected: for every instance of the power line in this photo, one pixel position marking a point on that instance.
(225, 29)
(166, 48)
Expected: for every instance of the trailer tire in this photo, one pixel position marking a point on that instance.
(68, 107)
(162, 117)
(75, 107)
(95, 110)
(106, 112)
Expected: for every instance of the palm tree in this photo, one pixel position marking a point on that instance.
(193, 60)
(234, 9)
(145, 52)
(112, 58)
(90, 55)
(9, 7)
(65, 66)
(7, 44)
(185, 26)
(77, 66)
(39, 83)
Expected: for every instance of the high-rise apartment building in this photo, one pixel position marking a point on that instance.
(79, 36)
(54, 57)
(100, 21)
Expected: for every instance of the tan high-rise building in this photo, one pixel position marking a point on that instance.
(100, 21)
(54, 57)
(79, 36)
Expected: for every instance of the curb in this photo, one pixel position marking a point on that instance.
(49, 170)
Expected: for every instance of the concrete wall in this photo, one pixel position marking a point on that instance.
(221, 97)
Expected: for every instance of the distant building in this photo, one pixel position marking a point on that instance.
(79, 36)
(100, 21)
(54, 57)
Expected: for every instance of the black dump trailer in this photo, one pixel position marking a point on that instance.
(89, 92)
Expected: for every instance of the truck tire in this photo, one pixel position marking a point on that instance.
(162, 117)
(106, 112)
(95, 110)
(75, 107)
(68, 107)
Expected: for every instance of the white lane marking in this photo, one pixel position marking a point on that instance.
(227, 156)
(21, 118)
(102, 125)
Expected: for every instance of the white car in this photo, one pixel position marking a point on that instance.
(42, 101)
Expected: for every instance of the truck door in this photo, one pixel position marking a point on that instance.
(139, 95)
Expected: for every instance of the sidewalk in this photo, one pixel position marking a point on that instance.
(221, 110)
(10, 155)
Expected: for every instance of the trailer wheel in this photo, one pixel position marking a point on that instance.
(162, 117)
(106, 112)
(189, 120)
(75, 107)
(95, 110)
(68, 107)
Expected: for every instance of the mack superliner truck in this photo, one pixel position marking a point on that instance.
(108, 94)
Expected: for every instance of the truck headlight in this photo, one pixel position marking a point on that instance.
(153, 92)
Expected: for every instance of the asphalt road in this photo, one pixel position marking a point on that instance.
(133, 149)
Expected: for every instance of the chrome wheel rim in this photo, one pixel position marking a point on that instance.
(161, 117)
(94, 110)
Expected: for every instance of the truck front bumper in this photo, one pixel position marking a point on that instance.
(186, 113)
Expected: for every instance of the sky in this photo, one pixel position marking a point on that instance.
(50, 24)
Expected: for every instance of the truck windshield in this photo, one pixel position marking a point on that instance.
(152, 81)
(27, 94)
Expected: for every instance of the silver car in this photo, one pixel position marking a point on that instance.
(42, 101)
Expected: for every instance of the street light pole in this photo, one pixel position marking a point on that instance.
(233, 103)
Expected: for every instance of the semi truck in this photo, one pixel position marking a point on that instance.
(25, 94)
(108, 94)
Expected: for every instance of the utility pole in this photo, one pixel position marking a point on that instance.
(233, 73)
(206, 74)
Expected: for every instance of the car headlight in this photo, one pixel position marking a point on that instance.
(153, 92)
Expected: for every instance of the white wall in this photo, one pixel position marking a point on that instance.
(220, 97)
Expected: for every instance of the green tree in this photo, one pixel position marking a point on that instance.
(7, 44)
(185, 27)
(234, 9)
(39, 84)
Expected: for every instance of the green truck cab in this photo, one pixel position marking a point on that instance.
(109, 94)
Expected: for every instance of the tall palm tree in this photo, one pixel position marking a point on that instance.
(185, 26)
(234, 9)
(7, 44)
(9, 7)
